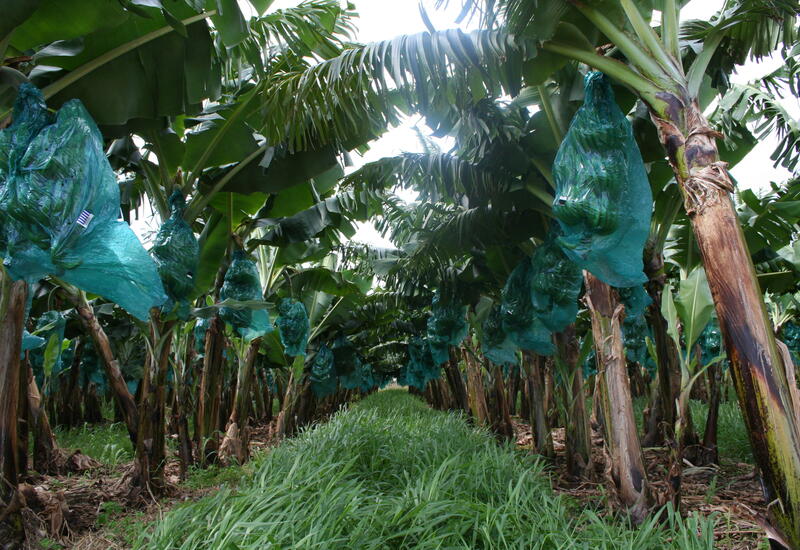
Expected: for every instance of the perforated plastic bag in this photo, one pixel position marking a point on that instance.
(603, 200)
(635, 332)
(421, 367)
(519, 318)
(30, 342)
(555, 287)
(200, 329)
(242, 283)
(368, 380)
(710, 341)
(176, 253)
(323, 373)
(495, 344)
(447, 326)
(635, 299)
(59, 202)
(293, 326)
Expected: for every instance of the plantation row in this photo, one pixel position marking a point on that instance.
(581, 258)
(390, 473)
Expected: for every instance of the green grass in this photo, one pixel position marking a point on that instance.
(108, 443)
(392, 473)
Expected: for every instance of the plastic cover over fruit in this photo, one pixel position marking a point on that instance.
(603, 200)
(447, 326)
(242, 284)
(59, 204)
(519, 317)
(636, 300)
(495, 344)
(293, 326)
(556, 285)
(323, 374)
(176, 253)
(421, 367)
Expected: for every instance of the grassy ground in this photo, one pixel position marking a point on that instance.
(107, 443)
(391, 473)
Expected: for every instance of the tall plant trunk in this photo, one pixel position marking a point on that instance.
(287, 404)
(122, 395)
(710, 454)
(183, 390)
(268, 397)
(23, 416)
(662, 409)
(475, 390)
(236, 442)
(457, 387)
(12, 303)
(513, 390)
(70, 407)
(150, 454)
(208, 401)
(577, 437)
(624, 450)
(47, 457)
(542, 436)
(758, 370)
(501, 421)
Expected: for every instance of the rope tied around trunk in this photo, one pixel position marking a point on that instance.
(705, 186)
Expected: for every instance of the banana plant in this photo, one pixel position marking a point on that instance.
(686, 318)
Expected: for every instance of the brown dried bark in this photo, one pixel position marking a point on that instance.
(625, 452)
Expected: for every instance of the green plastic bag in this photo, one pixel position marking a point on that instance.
(495, 344)
(176, 254)
(635, 331)
(323, 374)
(199, 330)
(368, 380)
(421, 367)
(555, 287)
(242, 283)
(519, 318)
(447, 326)
(710, 341)
(603, 200)
(59, 203)
(636, 300)
(347, 363)
(293, 326)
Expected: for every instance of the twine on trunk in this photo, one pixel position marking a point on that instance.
(705, 186)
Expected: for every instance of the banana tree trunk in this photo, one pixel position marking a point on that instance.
(119, 388)
(758, 371)
(662, 410)
(150, 454)
(208, 401)
(70, 406)
(236, 442)
(475, 390)
(534, 372)
(625, 451)
(12, 303)
(457, 387)
(47, 457)
(577, 436)
(501, 421)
